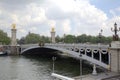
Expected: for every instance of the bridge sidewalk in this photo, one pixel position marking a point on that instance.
(100, 76)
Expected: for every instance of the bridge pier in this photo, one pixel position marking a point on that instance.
(14, 50)
(115, 56)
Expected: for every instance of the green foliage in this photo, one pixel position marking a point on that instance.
(36, 38)
(70, 39)
(93, 39)
(21, 41)
(32, 38)
(44, 39)
(87, 39)
(59, 39)
(4, 39)
(82, 38)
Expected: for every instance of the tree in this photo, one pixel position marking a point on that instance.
(21, 41)
(59, 39)
(4, 39)
(32, 38)
(93, 39)
(70, 39)
(45, 39)
(36, 38)
(82, 38)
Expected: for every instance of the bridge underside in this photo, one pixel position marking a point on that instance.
(41, 51)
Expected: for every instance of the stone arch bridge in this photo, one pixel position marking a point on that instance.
(96, 54)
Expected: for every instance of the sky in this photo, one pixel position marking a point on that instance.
(73, 17)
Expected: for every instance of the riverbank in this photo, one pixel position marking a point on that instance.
(99, 76)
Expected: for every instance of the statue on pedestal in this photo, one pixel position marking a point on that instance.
(115, 36)
(13, 26)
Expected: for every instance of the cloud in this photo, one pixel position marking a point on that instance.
(67, 16)
(52, 23)
(112, 12)
(17, 4)
(111, 21)
(79, 13)
(22, 31)
(66, 26)
(33, 29)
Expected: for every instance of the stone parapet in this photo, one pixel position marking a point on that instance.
(115, 56)
(115, 44)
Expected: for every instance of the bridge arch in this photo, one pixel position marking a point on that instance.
(37, 49)
(71, 54)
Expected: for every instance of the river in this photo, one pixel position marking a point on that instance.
(38, 68)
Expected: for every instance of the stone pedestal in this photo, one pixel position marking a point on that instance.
(53, 37)
(115, 56)
(13, 37)
(14, 49)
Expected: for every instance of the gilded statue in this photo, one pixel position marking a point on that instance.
(13, 26)
(53, 30)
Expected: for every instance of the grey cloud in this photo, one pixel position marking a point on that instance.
(80, 20)
(17, 4)
(56, 13)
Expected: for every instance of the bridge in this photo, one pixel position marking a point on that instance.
(96, 54)
(103, 55)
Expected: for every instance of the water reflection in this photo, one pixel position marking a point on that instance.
(38, 67)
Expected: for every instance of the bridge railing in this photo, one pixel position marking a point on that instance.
(97, 52)
(78, 45)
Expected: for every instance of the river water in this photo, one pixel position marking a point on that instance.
(38, 68)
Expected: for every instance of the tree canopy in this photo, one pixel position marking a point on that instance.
(33, 38)
(83, 38)
(4, 39)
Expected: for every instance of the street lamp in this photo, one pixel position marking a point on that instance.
(64, 38)
(100, 35)
(115, 30)
(80, 66)
(53, 58)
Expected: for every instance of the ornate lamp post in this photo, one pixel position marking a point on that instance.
(64, 38)
(80, 66)
(115, 30)
(100, 35)
(53, 58)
